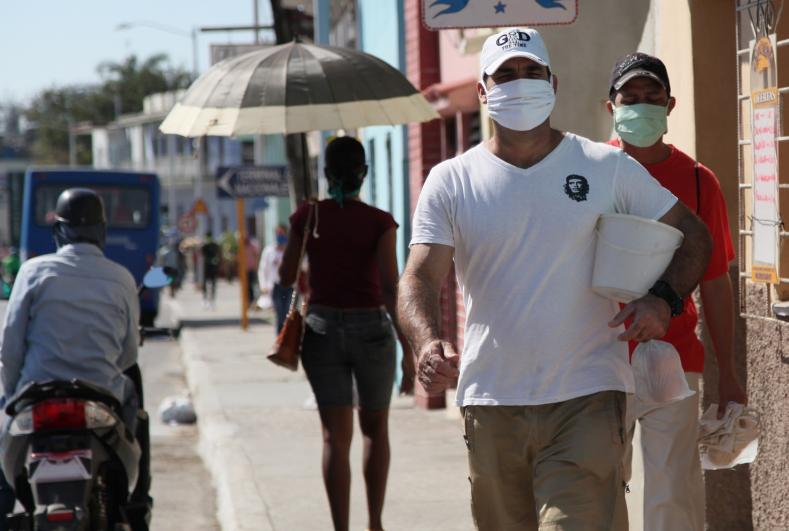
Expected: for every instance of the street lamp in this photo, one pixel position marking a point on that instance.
(168, 29)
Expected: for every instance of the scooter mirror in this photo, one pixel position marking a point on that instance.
(156, 277)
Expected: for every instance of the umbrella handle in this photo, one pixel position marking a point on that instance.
(306, 166)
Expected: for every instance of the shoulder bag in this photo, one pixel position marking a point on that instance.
(287, 347)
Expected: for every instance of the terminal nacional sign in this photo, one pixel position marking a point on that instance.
(445, 14)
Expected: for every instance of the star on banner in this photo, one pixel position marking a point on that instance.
(500, 7)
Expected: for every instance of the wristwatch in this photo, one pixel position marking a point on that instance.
(664, 291)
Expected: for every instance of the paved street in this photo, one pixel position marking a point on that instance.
(181, 486)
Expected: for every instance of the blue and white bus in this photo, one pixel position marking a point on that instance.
(131, 202)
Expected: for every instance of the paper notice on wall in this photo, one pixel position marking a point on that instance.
(765, 113)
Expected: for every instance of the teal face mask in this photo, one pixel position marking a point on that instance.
(640, 125)
(336, 193)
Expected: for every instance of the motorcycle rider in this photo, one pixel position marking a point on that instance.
(74, 314)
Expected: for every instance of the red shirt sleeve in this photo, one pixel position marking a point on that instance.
(385, 222)
(298, 218)
(714, 214)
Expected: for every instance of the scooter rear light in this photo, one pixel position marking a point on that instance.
(59, 414)
(60, 516)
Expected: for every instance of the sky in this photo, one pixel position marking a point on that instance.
(45, 43)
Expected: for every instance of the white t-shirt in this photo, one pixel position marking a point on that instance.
(268, 269)
(524, 243)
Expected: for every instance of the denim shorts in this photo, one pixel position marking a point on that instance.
(342, 345)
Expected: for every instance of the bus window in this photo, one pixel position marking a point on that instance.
(125, 207)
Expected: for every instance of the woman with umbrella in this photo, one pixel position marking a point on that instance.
(353, 284)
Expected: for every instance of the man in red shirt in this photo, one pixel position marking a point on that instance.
(673, 498)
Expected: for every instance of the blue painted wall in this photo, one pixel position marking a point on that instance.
(382, 33)
(278, 211)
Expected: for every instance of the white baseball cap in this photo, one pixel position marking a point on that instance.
(512, 42)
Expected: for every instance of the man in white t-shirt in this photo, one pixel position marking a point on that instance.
(544, 371)
(268, 276)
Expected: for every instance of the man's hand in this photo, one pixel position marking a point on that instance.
(651, 317)
(438, 366)
(729, 390)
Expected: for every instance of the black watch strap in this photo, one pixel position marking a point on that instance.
(664, 291)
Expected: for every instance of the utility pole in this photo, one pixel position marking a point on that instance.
(255, 9)
(72, 144)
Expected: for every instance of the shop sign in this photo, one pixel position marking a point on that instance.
(765, 113)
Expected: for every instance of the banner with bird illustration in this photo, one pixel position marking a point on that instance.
(443, 14)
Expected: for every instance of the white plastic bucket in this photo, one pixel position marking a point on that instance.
(632, 253)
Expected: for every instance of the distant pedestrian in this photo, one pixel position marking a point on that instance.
(11, 264)
(229, 245)
(252, 253)
(353, 284)
(212, 256)
(268, 275)
(170, 256)
(544, 370)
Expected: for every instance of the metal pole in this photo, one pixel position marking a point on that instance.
(305, 160)
(242, 262)
(171, 210)
(72, 145)
(257, 35)
(322, 27)
(195, 68)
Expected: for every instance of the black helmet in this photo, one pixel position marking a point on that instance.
(79, 207)
(79, 218)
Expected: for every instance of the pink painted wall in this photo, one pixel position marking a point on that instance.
(454, 65)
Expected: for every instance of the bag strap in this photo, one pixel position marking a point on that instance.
(294, 298)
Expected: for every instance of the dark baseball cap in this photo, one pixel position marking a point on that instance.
(638, 65)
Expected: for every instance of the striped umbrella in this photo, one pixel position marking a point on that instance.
(293, 88)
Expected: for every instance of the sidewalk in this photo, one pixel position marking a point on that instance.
(263, 448)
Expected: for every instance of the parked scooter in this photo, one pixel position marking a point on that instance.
(76, 464)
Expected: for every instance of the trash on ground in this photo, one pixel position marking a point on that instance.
(177, 410)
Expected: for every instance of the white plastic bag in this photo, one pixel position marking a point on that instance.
(658, 373)
(264, 301)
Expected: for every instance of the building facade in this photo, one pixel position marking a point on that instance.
(187, 168)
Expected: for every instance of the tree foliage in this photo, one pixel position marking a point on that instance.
(128, 82)
(124, 86)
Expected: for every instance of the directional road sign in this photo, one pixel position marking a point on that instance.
(252, 181)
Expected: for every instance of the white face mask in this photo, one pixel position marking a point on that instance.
(522, 104)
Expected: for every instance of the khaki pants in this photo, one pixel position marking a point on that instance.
(666, 485)
(548, 467)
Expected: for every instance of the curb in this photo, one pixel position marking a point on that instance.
(241, 505)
